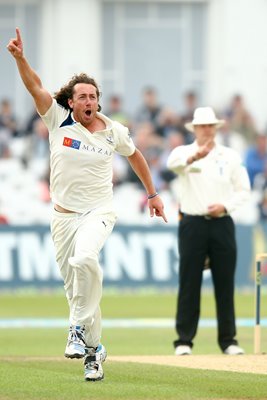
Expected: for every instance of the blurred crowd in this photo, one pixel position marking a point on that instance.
(156, 129)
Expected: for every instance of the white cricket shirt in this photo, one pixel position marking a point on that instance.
(219, 177)
(80, 161)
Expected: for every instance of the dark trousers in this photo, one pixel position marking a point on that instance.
(199, 237)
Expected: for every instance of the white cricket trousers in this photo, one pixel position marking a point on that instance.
(78, 240)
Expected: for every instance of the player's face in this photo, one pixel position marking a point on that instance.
(84, 103)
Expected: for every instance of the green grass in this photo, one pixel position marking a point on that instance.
(27, 372)
(62, 380)
(146, 341)
(124, 305)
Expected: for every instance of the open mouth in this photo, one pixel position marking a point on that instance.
(88, 113)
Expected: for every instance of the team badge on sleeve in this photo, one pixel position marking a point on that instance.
(110, 138)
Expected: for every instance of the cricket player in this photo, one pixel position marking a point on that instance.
(82, 142)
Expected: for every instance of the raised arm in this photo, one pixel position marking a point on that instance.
(31, 80)
(140, 167)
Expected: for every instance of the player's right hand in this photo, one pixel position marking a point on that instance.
(15, 45)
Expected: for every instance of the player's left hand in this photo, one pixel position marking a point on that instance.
(156, 207)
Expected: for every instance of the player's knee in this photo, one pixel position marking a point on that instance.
(86, 262)
(83, 260)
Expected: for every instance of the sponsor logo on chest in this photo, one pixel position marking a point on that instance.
(78, 145)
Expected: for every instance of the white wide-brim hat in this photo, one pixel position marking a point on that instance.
(204, 116)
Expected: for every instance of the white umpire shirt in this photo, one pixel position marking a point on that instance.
(218, 178)
(82, 162)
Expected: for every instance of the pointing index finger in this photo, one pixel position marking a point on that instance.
(18, 34)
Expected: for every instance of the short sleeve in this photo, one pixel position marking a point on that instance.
(124, 143)
(54, 116)
(176, 161)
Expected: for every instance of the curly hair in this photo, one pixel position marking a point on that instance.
(66, 92)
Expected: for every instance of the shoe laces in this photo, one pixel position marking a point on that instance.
(91, 364)
(76, 334)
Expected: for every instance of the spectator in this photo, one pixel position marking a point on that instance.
(190, 103)
(7, 119)
(256, 157)
(186, 115)
(115, 111)
(29, 128)
(38, 157)
(226, 136)
(260, 187)
(241, 119)
(150, 108)
(145, 138)
(168, 121)
(3, 217)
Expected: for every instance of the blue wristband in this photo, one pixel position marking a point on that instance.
(151, 196)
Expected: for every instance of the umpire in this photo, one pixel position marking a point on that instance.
(212, 183)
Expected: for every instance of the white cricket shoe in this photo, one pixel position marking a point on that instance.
(93, 370)
(76, 342)
(233, 350)
(183, 350)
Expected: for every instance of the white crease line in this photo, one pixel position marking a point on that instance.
(117, 323)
